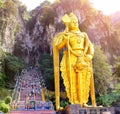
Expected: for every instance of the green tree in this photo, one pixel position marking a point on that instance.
(46, 67)
(116, 72)
(2, 74)
(1, 3)
(102, 72)
(47, 15)
(12, 66)
(10, 8)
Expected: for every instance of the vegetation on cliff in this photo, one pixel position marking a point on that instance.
(29, 35)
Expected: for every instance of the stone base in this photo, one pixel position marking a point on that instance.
(73, 109)
(77, 109)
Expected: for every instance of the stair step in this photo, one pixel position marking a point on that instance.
(33, 112)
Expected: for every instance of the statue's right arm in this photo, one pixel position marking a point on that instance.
(60, 40)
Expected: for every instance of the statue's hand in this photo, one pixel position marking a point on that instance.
(66, 34)
(81, 65)
(88, 57)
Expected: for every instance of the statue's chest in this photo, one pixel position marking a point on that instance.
(76, 39)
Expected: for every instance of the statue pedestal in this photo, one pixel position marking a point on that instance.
(73, 109)
(77, 109)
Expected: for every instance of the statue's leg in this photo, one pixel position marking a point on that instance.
(86, 85)
(80, 88)
(74, 86)
(83, 87)
(65, 74)
(73, 79)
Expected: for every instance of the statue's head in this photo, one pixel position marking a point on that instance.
(70, 21)
(73, 25)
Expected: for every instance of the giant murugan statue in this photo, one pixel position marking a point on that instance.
(76, 63)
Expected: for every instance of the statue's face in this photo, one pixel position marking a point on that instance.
(73, 24)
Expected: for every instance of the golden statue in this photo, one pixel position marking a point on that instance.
(76, 63)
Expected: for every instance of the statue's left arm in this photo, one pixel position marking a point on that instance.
(88, 49)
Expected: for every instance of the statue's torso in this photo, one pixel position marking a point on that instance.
(76, 41)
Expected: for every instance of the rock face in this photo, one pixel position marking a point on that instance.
(8, 25)
(7, 34)
(37, 34)
(31, 43)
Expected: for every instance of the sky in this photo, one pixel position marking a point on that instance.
(106, 6)
(31, 4)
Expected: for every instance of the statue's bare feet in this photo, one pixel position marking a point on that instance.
(86, 105)
(100, 106)
(60, 108)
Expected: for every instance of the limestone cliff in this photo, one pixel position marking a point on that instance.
(38, 28)
(8, 25)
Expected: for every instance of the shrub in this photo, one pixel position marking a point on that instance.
(111, 98)
(64, 102)
(4, 107)
(8, 99)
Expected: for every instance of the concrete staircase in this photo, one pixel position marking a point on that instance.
(28, 82)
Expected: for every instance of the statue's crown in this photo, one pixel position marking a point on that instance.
(68, 18)
(73, 16)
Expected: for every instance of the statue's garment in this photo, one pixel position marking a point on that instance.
(76, 72)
